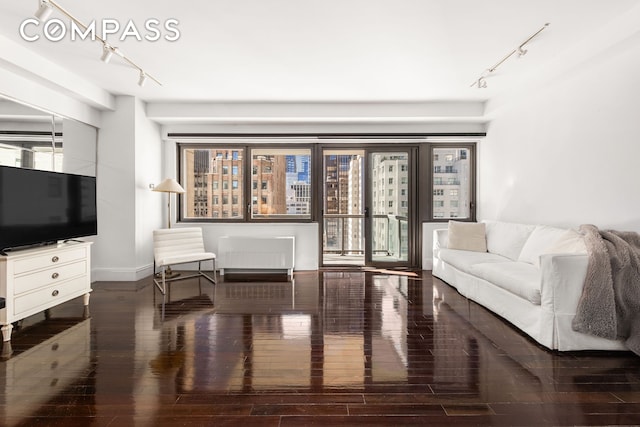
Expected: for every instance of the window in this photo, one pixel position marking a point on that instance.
(390, 203)
(390, 192)
(437, 169)
(285, 183)
(198, 165)
(390, 181)
(458, 183)
(234, 184)
(390, 168)
(234, 170)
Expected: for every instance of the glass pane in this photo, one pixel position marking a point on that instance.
(451, 183)
(281, 183)
(212, 180)
(343, 207)
(390, 206)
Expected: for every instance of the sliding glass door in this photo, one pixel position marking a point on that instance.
(367, 209)
(390, 206)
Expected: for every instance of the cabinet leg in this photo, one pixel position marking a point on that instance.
(85, 298)
(6, 332)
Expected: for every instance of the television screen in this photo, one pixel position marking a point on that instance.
(40, 207)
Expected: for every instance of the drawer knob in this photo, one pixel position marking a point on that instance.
(55, 259)
(55, 293)
(55, 275)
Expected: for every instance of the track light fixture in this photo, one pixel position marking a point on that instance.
(45, 9)
(143, 78)
(107, 53)
(481, 82)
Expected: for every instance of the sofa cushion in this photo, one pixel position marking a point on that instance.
(540, 239)
(519, 278)
(464, 260)
(506, 238)
(467, 236)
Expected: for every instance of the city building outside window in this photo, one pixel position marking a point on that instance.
(216, 181)
(452, 180)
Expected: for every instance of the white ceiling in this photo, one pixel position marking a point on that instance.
(321, 50)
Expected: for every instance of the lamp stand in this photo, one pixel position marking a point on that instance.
(168, 273)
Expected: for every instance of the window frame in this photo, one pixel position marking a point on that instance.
(428, 159)
(247, 178)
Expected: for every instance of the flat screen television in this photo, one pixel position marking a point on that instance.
(40, 207)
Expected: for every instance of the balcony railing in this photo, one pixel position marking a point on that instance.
(394, 241)
(344, 234)
(336, 237)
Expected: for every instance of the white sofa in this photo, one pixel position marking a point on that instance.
(521, 279)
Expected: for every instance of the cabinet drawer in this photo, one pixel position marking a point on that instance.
(50, 295)
(50, 276)
(48, 260)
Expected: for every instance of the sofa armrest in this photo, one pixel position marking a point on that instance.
(440, 240)
(562, 281)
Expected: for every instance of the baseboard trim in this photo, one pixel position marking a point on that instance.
(121, 274)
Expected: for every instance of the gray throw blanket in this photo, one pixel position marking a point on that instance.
(610, 303)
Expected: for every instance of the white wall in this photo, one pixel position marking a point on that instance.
(148, 204)
(114, 248)
(568, 152)
(129, 155)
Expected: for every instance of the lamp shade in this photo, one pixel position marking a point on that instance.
(169, 185)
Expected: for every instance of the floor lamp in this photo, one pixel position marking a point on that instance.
(169, 186)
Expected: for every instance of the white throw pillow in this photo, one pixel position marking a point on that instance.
(507, 238)
(540, 239)
(467, 236)
(571, 242)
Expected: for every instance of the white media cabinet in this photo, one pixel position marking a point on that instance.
(34, 280)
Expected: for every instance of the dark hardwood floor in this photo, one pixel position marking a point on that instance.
(332, 348)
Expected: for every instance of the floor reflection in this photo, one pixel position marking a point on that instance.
(44, 360)
(327, 344)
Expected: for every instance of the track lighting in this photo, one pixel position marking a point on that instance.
(44, 10)
(107, 53)
(520, 51)
(143, 78)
